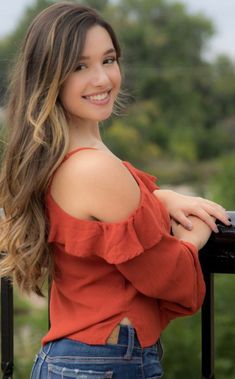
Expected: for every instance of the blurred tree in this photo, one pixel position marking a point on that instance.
(163, 59)
(100, 5)
(9, 46)
(222, 184)
(118, 138)
(223, 70)
(183, 112)
(163, 49)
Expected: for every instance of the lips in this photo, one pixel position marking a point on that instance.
(101, 98)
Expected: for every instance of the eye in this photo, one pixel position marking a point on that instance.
(81, 66)
(110, 60)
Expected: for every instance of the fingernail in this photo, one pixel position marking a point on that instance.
(190, 226)
(216, 230)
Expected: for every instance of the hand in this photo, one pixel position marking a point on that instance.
(181, 206)
(198, 236)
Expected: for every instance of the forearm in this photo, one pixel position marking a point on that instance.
(164, 195)
(198, 236)
(181, 206)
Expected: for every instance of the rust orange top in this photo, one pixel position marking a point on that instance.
(105, 271)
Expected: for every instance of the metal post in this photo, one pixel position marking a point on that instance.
(7, 347)
(49, 298)
(207, 315)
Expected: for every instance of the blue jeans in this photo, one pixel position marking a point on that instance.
(67, 359)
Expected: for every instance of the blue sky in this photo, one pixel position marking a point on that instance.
(222, 13)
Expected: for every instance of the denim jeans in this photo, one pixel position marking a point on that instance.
(67, 359)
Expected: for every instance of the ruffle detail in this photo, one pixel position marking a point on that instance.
(116, 242)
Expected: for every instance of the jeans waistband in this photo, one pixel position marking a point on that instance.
(127, 337)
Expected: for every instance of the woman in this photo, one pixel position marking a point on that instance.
(99, 226)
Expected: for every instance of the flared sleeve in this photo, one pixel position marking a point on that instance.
(170, 272)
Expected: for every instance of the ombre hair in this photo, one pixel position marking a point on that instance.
(38, 136)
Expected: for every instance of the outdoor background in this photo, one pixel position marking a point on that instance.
(179, 124)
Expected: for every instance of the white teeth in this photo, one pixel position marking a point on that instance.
(98, 97)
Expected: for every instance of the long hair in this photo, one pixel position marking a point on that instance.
(38, 136)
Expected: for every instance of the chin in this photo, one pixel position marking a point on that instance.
(104, 117)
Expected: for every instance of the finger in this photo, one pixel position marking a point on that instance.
(215, 206)
(174, 227)
(211, 208)
(204, 216)
(201, 201)
(182, 219)
(218, 213)
(173, 223)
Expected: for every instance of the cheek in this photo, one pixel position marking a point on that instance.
(68, 93)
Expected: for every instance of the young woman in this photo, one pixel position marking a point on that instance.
(99, 226)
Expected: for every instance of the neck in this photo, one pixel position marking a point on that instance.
(84, 134)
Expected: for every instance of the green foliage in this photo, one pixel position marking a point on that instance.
(182, 338)
(224, 324)
(31, 321)
(126, 141)
(180, 127)
(222, 184)
(182, 348)
(182, 144)
(99, 5)
(182, 101)
(10, 45)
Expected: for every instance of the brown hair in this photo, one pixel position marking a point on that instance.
(38, 136)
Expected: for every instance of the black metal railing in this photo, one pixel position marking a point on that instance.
(218, 256)
(7, 357)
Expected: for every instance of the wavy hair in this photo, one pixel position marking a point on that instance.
(38, 136)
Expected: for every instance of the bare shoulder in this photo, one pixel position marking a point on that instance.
(95, 184)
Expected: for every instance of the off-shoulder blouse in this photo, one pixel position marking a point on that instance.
(105, 271)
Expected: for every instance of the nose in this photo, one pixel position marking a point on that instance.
(100, 76)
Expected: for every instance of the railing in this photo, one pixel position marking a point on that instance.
(7, 329)
(218, 256)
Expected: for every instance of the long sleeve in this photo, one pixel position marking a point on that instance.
(170, 272)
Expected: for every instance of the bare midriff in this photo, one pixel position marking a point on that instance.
(113, 338)
(125, 321)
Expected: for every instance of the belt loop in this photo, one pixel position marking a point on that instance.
(45, 351)
(47, 348)
(131, 341)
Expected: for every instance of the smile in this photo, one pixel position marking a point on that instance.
(100, 98)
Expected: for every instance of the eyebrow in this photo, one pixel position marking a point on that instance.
(112, 50)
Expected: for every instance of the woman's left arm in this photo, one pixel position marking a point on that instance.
(181, 206)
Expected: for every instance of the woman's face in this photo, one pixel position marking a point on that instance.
(89, 93)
